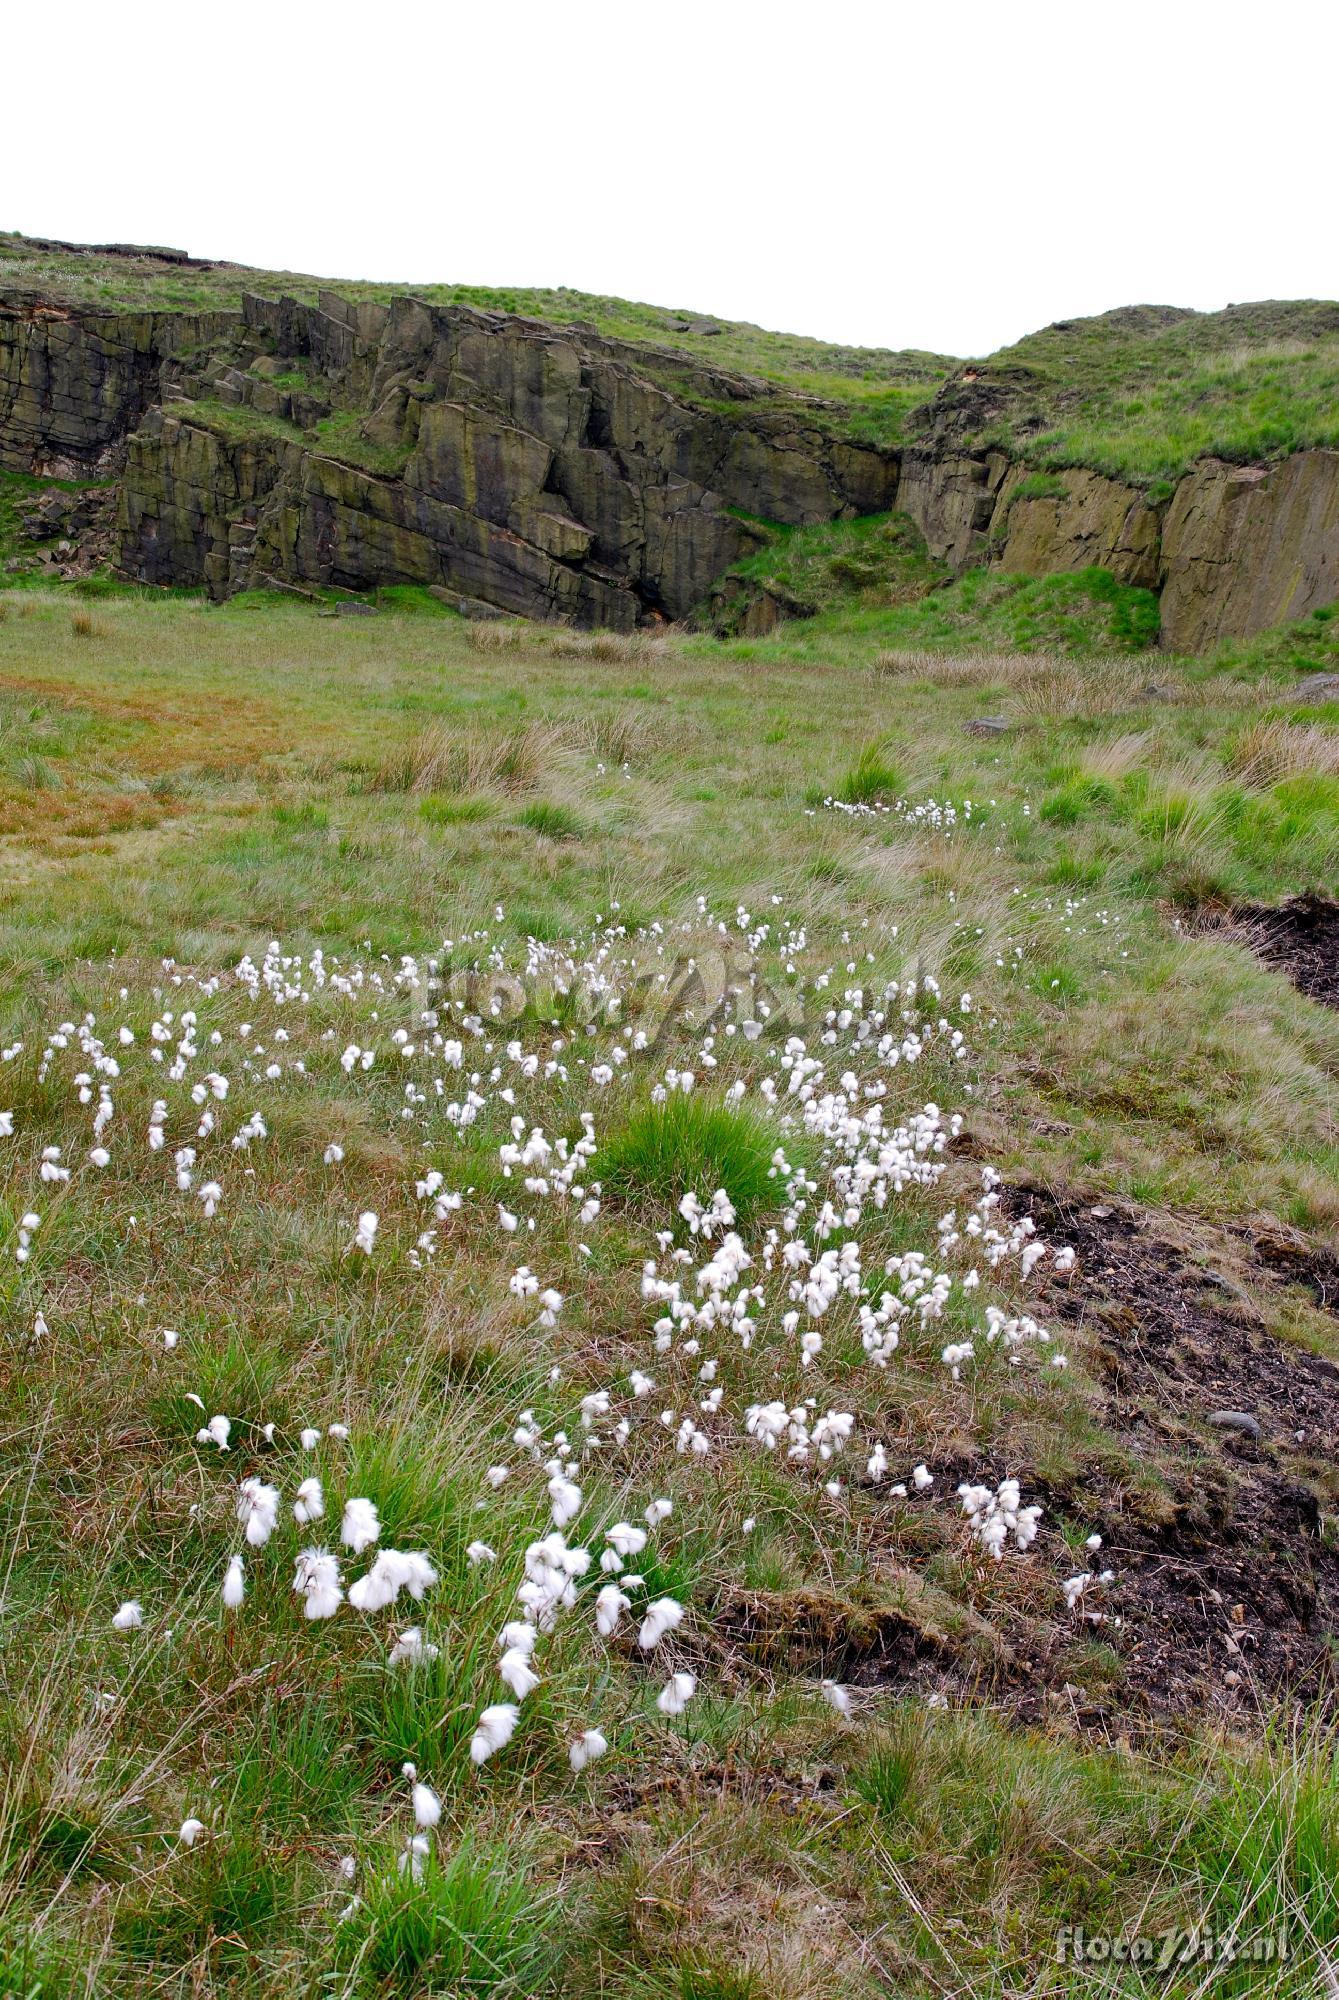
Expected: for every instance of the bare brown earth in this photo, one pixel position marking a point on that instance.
(1301, 938)
(1230, 1594)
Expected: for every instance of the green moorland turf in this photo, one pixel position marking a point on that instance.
(581, 816)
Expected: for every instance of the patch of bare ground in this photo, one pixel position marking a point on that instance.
(1227, 1562)
(1300, 938)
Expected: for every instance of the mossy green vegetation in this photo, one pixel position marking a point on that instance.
(1077, 613)
(880, 560)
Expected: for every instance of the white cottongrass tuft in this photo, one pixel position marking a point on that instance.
(585, 1748)
(661, 1617)
(676, 1694)
(517, 1672)
(130, 1616)
(495, 1728)
(316, 1579)
(234, 1583)
(257, 1510)
(427, 1806)
(837, 1697)
(393, 1571)
(412, 1647)
(360, 1526)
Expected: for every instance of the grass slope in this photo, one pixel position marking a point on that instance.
(584, 816)
(1140, 393)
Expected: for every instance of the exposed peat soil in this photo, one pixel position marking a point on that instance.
(1227, 1581)
(1300, 938)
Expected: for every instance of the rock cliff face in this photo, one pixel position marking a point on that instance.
(1089, 521)
(517, 466)
(73, 383)
(504, 461)
(1245, 547)
(1235, 550)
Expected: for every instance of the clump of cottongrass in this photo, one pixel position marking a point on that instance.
(412, 1647)
(661, 1617)
(516, 1670)
(316, 1579)
(257, 1510)
(610, 1604)
(360, 1526)
(393, 1571)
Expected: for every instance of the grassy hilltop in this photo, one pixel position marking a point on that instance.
(934, 908)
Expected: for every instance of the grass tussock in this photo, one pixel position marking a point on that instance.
(693, 1143)
(470, 1926)
(1272, 749)
(471, 760)
(871, 780)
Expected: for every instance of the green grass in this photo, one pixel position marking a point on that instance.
(1087, 612)
(695, 1144)
(1140, 393)
(870, 780)
(551, 820)
(880, 560)
(471, 1927)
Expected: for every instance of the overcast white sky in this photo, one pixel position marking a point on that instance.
(941, 176)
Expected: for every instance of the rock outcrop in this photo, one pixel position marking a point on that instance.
(534, 469)
(73, 383)
(515, 466)
(1249, 546)
(951, 499)
(1090, 522)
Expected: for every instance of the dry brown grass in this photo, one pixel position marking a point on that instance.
(562, 643)
(1268, 751)
(622, 648)
(1048, 687)
(1117, 758)
(85, 626)
(487, 636)
(442, 759)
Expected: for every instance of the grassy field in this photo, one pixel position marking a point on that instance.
(399, 994)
